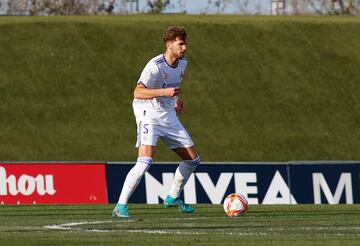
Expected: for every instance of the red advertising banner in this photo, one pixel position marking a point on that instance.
(52, 183)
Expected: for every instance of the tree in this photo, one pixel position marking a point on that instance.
(327, 7)
(157, 6)
(218, 5)
(71, 7)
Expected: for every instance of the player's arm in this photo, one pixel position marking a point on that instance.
(179, 106)
(141, 92)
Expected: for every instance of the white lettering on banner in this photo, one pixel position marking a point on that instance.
(26, 185)
(241, 186)
(11, 181)
(276, 187)
(319, 183)
(215, 192)
(190, 190)
(155, 189)
(49, 182)
(278, 192)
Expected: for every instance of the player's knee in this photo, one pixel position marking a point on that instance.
(195, 162)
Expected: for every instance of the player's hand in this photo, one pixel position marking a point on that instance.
(171, 92)
(179, 106)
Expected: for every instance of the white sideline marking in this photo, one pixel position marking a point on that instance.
(70, 226)
(180, 232)
(158, 232)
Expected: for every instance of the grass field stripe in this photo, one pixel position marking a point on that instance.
(312, 228)
(195, 218)
(21, 228)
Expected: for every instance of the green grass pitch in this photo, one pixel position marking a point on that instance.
(155, 225)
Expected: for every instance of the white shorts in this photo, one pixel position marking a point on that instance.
(173, 135)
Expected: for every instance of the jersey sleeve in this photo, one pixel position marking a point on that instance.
(149, 76)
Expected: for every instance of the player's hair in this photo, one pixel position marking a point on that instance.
(172, 32)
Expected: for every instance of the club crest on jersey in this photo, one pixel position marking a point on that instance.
(181, 74)
(165, 76)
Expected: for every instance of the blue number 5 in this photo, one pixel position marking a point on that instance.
(146, 130)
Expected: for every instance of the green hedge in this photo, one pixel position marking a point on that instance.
(256, 88)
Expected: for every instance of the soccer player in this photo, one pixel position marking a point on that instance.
(156, 107)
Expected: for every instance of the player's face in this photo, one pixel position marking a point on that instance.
(178, 48)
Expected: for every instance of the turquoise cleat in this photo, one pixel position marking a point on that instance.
(177, 202)
(121, 211)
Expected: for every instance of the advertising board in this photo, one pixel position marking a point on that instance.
(52, 183)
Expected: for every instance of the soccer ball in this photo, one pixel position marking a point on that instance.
(235, 204)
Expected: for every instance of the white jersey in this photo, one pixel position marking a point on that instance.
(159, 74)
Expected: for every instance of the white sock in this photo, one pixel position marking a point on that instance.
(133, 178)
(182, 174)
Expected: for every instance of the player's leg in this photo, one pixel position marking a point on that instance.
(190, 161)
(133, 179)
(177, 139)
(134, 176)
(147, 138)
